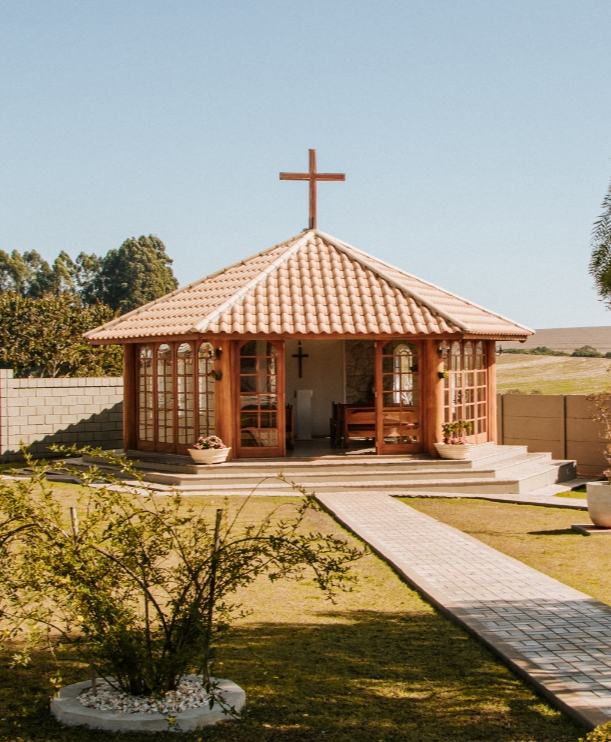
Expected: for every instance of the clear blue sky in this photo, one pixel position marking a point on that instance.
(476, 135)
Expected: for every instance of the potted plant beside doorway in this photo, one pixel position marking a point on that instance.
(455, 444)
(209, 450)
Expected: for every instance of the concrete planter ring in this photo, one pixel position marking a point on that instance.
(456, 451)
(599, 503)
(68, 710)
(209, 455)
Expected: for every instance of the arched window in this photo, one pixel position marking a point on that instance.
(400, 394)
(145, 394)
(165, 394)
(205, 389)
(185, 432)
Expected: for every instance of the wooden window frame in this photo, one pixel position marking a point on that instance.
(155, 445)
(262, 451)
(481, 386)
(383, 448)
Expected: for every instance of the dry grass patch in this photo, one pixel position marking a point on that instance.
(379, 666)
(552, 374)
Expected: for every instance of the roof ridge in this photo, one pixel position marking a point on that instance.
(254, 282)
(353, 253)
(433, 285)
(138, 310)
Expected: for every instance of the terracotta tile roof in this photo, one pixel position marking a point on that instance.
(310, 284)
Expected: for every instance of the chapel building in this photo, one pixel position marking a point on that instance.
(309, 339)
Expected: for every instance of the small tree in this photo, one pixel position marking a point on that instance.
(44, 337)
(600, 261)
(140, 584)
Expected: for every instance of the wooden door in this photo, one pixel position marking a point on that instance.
(260, 402)
(398, 417)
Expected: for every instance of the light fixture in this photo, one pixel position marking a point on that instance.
(442, 350)
(218, 353)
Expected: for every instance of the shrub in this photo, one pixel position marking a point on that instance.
(139, 584)
(599, 734)
(586, 351)
(541, 350)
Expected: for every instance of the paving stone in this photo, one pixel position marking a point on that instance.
(553, 635)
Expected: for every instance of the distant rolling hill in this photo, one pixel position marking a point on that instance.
(567, 339)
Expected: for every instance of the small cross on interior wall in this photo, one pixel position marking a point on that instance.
(300, 355)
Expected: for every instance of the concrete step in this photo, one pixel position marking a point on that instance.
(215, 476)
(484, 455)
(532, 477)
(495, 469)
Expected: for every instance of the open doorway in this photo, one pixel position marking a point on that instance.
(315, 380)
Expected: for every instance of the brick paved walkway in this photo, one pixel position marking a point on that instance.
(556, 637)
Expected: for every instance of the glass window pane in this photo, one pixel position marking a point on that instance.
(258, 398)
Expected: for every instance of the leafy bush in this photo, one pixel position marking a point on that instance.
(600, 734)
(139, 584)
(586, 351)
(541, 350)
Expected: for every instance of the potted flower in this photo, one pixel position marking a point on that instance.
(209, 450)
(599, 493)
(455, 444)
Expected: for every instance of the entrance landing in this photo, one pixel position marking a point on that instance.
(494, 471)
(556, 637)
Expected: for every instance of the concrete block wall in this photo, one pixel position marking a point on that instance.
(560, 424)
(40, 412)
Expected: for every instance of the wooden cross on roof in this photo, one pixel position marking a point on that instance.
(312, 176)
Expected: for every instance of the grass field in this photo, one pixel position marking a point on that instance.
(379, 666)
(552, 374)
(539, 537)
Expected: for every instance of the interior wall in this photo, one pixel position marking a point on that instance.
(360, 372)
(323, 373)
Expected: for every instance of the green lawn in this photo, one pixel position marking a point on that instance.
(380, 665)
(540, 537)
(579, 494)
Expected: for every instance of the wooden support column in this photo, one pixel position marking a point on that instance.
(492, 412)
(130, 410)
(432, 396)
(223, 395)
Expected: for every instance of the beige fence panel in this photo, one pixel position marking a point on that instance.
(560, 424)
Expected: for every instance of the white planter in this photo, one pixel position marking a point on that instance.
(68, 710)
(209, 455)
(599, 503)
(456, 451)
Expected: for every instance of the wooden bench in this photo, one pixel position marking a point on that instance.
(359, 422)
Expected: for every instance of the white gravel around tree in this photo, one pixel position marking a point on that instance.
(190, 694)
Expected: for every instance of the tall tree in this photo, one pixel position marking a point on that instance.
(138, 272)
(600, 262)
